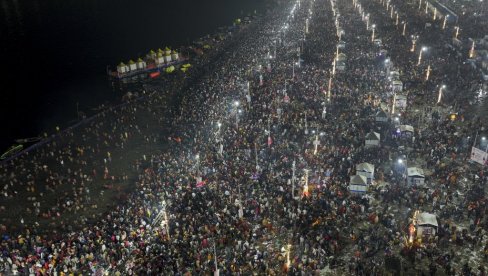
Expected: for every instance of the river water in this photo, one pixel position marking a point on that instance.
(55, 52)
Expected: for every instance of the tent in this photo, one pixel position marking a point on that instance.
(372, 139)
(381, 116)
(367, 170)
(358, 184)
(170, 69)
(341, 45)
(401, 101)
(415, 176)
(406, 130)
(426, 225)
(394, 76)
(397, 86)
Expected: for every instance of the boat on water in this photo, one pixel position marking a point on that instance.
(153, 64)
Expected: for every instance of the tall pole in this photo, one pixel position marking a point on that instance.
(427, 73)
(217, 272)
(404, 28)
(445, 21)
(293, 168)
(256, 154)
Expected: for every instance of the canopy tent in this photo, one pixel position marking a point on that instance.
(381, 116)
(358, 184)
(415, 176)
(341, 56)
(372, 139)
(397, 86)
(367, 170)
(426, 225)
(401, 101)
(394, 76)
(341, 45)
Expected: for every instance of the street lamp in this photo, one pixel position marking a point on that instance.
(445, 21)
(427, 73)
(439, 97)
(372, 36)
(471, 51)
(420, 54)
(414, 42)
(457, 32)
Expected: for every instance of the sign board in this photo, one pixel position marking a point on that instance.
(479, 156)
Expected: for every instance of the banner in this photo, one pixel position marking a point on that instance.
(479, 156)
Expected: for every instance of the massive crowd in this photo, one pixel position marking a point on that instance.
(245, 168)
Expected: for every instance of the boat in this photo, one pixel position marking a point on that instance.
(11, 151)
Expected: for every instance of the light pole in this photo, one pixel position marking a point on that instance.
(197, 158)
(293, 169)
(372, 36)
(420, 55)
(396, 22)
(237, 111)
(217, 272)
(305, 187)
(471, 51)
(414, 42)
(435, 13)
(420, 4)
(445, 21)
(427, 73)
(404, 27)
(439, 97)
(457, 32)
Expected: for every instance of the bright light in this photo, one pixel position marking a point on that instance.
(219, 124)
(236, 103)
(197, 156)
(400, 161)
(443, 86)
(424, 48)
(483, 138)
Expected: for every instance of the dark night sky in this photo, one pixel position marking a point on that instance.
(56, 51)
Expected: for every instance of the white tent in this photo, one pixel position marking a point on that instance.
(397, 86)
(406, 130)
(367, 170)
(358, 184)
(401, 101)
(415, 176)
(394, 76)
(381, 116)
(372, 139)
(341, 45)
(426, 225)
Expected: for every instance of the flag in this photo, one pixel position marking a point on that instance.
(270, 141)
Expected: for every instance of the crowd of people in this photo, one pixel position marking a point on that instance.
(244, 168)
